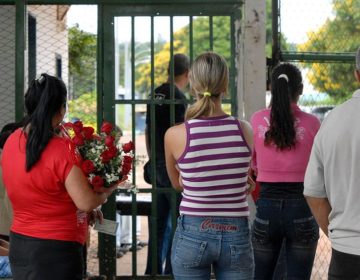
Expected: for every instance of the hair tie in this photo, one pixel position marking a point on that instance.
(206, 93)
(284, 76)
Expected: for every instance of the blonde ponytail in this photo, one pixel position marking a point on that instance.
(209, 78)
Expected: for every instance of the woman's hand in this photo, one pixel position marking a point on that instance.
(94, 215)
(251, 181)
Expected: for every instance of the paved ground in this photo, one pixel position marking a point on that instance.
(124, 264)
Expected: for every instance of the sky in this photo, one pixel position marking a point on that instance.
(297, 18)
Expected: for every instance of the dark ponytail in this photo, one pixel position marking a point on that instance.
(286, 86)
(43, 100)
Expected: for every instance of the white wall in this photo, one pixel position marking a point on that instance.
(51, 39)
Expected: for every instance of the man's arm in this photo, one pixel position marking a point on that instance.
(320, 207)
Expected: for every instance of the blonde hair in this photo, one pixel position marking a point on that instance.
(209, 74)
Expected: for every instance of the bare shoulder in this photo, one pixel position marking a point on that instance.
(175, 140)
(176, 131)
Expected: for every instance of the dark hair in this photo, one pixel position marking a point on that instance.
(43, 100)
(181, 64)
(286, 86)
(7, 130)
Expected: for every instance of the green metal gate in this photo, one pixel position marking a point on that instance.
(116, 20)
(37, 38)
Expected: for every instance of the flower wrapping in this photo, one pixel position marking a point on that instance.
(104, 160)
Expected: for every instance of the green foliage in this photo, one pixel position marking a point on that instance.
(201, 39)
(82, 61)
(84, 108)
(339, 34)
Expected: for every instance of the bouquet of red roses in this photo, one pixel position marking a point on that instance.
(105, 162)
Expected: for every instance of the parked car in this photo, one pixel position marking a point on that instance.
(322, 111)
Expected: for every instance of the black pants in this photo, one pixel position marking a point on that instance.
(43, 259)
(164, 209)
(344, 266)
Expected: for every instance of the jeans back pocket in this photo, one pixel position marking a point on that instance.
(188, 251)
(261, 234)
(306, 230)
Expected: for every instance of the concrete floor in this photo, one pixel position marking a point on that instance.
(124, 264)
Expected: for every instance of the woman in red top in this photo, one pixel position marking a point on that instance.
(48, 191)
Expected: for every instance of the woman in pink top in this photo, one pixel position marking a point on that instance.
(283, 136)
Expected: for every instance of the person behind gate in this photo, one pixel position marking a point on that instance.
(283, 137)
(162, 123)
(207, 158)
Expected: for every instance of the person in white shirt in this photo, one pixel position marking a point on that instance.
(332, 184)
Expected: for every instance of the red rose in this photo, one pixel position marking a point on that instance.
(127, 159)
(106, 156)
(112, 151)
(78, 140)
(88, 166)
(106, 127)
(128, 147)
(88, 132)
(126, 165)
(125, 169)
(97, 183)
(109, 141)
(77, 127)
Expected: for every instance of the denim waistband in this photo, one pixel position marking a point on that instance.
(213, 224)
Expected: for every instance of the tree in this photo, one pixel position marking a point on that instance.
(201, 39)
(82, 61)
(84, 108)
(338, 34)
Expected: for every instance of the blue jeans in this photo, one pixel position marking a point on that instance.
(201, 243)
(286, 220)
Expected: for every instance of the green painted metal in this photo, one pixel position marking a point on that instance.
(107, 248)
(211, 33)
(125, 2)
(275, 32)
(20, 59)
(317, 57)
(172, 81)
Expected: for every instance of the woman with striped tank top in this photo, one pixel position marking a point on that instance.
(207, 158)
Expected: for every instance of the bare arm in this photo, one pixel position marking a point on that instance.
(248, 133)
(174, 146)
(80, 192)
(321, 209)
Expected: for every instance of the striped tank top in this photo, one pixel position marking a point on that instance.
(214, 168)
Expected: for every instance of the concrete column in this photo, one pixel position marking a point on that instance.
(252, 65)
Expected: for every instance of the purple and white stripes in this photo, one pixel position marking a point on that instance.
(214, 168)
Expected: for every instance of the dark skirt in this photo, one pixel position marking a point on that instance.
(43, 259)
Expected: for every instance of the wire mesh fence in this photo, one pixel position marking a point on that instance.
(7, 64)
(321, 38)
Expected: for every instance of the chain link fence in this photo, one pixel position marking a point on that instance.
(7, 64)
(321, 37)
